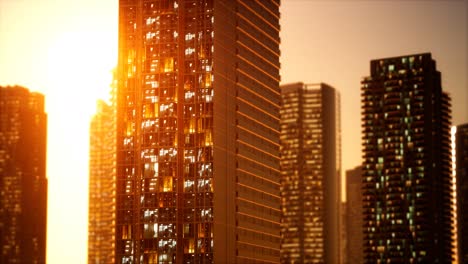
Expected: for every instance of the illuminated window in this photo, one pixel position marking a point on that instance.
(168, 64)
(167, 184)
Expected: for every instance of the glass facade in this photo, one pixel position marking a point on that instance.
(190, 74)
(23, 183)
(310, 171)
(406, 179)
(166, 103)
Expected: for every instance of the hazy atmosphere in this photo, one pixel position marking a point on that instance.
(67, 50)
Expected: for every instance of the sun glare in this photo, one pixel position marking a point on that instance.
(83, 61)
(79, 71)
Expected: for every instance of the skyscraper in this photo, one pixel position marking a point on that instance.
(198, 132)
(407, 184)
(101, 223)
(310, 173)
(23, 182)
(461, 161)
(354, 231)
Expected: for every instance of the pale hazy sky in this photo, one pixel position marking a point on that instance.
(66, 50)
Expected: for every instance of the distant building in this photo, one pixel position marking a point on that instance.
(407, 182)
(343, 234)
(461, 161)
(310, 173)
(23, 182)
(198, 132)
(102, 162)
(354, 218)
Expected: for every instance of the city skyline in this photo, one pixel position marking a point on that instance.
(323, 66)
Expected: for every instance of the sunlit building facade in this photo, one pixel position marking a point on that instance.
(461, 169)
(310, 174)
(353, 222)
(102, 168)
(23, 182)
(198, 132)
(407, 183)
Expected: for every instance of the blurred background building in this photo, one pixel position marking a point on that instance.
(354, 217)
(23, 182)
(310, 173)
(102, 168)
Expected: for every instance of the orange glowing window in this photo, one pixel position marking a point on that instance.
(127, 232)
(130, 129)
(191, 248)
(167, 184)
(201, 231)
(168, 64)
(208, 80)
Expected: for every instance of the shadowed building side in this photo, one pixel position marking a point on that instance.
(461, 160)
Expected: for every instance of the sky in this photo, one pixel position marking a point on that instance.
(67, 49)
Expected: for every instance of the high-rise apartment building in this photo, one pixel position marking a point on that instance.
(310, 173)
(353, 222)
(198, 132)
(461, 164)
(23, 182)
(102, 162)
(407, 184)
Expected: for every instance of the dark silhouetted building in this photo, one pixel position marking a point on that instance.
(310, 174)
(353, 222)
(198, 177)
(23, 182)
(102, 162)
(461, 161)
(407, 182)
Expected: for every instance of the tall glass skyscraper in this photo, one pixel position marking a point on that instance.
(407, 184)
(198, 132)
(23, 182)
(310, 173)
(102, 164)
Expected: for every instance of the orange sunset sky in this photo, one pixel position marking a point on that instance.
(67, 49)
